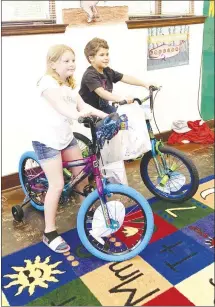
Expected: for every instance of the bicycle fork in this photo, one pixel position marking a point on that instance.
(103, 191)
(162, 173)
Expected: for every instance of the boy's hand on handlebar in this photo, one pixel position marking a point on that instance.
(153, 86)
(119, 99)
(129, 99)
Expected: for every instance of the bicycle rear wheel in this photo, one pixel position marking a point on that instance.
(34, 182)
(133, 220)
(83, 143)
(32, 179)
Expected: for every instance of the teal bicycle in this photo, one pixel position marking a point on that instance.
(167, 172)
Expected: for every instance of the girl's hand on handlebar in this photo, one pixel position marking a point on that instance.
(85, 113)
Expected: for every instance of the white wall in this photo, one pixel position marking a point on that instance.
(23, 63)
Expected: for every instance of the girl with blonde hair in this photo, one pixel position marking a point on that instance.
(58, 104)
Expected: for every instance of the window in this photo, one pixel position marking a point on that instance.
(159, 7)
(166, 13)
(28, 12)
(141, 7)
(177, 7)
(135, 8)
(29, 17)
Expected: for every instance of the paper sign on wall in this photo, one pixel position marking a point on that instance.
(168, 47)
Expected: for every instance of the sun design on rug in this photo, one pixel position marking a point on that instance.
(34, 274)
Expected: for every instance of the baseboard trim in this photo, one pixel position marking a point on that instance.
(11, 181)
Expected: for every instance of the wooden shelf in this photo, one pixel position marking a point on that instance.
(9, 30)
(139, 22)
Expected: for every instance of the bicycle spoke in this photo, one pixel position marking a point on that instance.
(32, 174)
(130, 230)
(175, 169)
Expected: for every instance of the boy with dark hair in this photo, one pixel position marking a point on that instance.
(97, 81)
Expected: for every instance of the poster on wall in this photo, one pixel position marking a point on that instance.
(168, 47)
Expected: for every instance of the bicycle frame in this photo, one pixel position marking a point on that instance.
(91, 166)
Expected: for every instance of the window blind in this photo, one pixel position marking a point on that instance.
(16, 11)
(177, 7)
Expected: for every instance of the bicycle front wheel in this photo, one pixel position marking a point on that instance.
(182, 179)
(132, 217)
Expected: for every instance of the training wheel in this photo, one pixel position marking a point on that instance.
(18, 213)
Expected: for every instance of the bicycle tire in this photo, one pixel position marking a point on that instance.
(126, 191)
(24, 157)
(187, 161)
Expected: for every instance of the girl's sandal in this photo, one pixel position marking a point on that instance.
(57, 244)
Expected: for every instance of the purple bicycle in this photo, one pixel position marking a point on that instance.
(114, 222)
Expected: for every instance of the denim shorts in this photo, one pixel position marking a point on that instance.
(46, 153)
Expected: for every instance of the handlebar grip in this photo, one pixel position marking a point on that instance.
(122, 102)
(115, 103)
(81, 120)
(138, 100)
(85, 120)
(153, 88)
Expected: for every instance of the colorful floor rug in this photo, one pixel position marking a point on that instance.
(175, 269)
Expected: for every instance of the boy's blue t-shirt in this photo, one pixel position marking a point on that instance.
(92, 80)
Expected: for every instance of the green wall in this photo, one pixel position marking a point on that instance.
(207, 102)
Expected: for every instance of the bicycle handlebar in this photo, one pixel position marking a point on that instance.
(119, 102)
(90, 120)
(152, 89)
(95, 121)
(84, 120)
